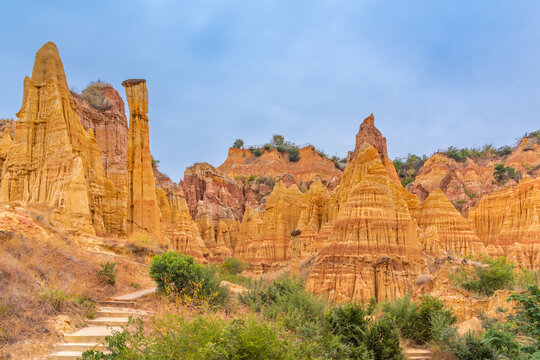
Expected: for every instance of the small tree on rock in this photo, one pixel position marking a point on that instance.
(238, 144)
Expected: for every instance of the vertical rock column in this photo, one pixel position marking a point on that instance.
(295, 256)
(143, 213)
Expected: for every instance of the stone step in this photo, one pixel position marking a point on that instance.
(79, 347)
(119, 303)
(68, 355)
(121, 312)
(91, 334)
(111, 321)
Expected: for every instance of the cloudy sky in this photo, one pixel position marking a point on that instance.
(434, 73)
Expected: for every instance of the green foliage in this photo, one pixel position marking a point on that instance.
(96, 97)
(383, 340)
(233, 266)
(293, 154)
(238, 143)
(527, 316)
(204, 337)
(251, 177)
(57, 298)
(472, 347)
(179, 274)
(459, 155)
(504, 173)
(419, 322)
(499, 274)
(107, 274)
(408, 168)
(278, 140)
(349, 322)
(155, 162)
(255, 151)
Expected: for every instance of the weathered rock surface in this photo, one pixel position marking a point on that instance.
(508, 222)
(53, 162)
(369, 134)
(242, 162)
(454, 232)
(272, 244)
(106, 116)
(373, 249)
(143, 213)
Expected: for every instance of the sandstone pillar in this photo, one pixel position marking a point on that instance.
(143, 213)
(295, 255)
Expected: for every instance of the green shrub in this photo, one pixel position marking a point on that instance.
(527, 315)
(460, 155)
(107, 274)
(204, 337)
(278, 140)
(57, 298)
(293, 154)
(419, 322)
(472, 347)
(499, 274)
(503, 173)
(256, 151)
(349, 322)
(238, 143)
(179, 274)
(383, 340)
(233, 266)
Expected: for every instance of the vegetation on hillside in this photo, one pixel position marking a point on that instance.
(496, 274)
(95, 96)
(502, 173)
(407, 168)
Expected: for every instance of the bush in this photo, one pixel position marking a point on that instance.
(503, 173)
(204, 337)
(527, 315)
(107, 274)
(499, 274)
(472, 347)
(383, 340)
(95, 97)
(349, 322)
(55, 297)
(460, 155)
(233, 266)
(256, 151)
(293, 154)
(420, 322)
(238, 143)
(278, 140)
(180, 275)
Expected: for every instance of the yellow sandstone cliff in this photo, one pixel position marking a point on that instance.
(53, 164)
(143, 213)
(372, 249)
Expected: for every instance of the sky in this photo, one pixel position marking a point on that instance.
(434, 73)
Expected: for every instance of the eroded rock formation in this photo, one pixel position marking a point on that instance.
(53, 163)
(106, 116)
(508, 222)
(143, 213)
(242, 162)
(373, 249)
(453, 231)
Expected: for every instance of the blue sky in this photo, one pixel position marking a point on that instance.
(434, 73)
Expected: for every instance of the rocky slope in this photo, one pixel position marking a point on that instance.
(243, 162)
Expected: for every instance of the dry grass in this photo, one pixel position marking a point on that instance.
(42, 277)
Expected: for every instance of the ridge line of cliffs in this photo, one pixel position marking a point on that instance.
(76, 160)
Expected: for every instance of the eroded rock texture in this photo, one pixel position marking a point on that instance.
(53, 163)
(143, 213)
(508, 222)
(453, 231)
(101, 109)
(242, 162)
(372, 249)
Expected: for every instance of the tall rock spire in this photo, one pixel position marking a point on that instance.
(143, 213)
(53, 162)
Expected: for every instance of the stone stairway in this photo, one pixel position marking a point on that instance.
(417, 354)
(111, 316)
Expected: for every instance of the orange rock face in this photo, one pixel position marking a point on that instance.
(507, 221)
(273, 163)
(453, 231)
(272, 244)
(106, 117)
(143, 213)
(369, 134)
(53, 162)
(373, 249)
